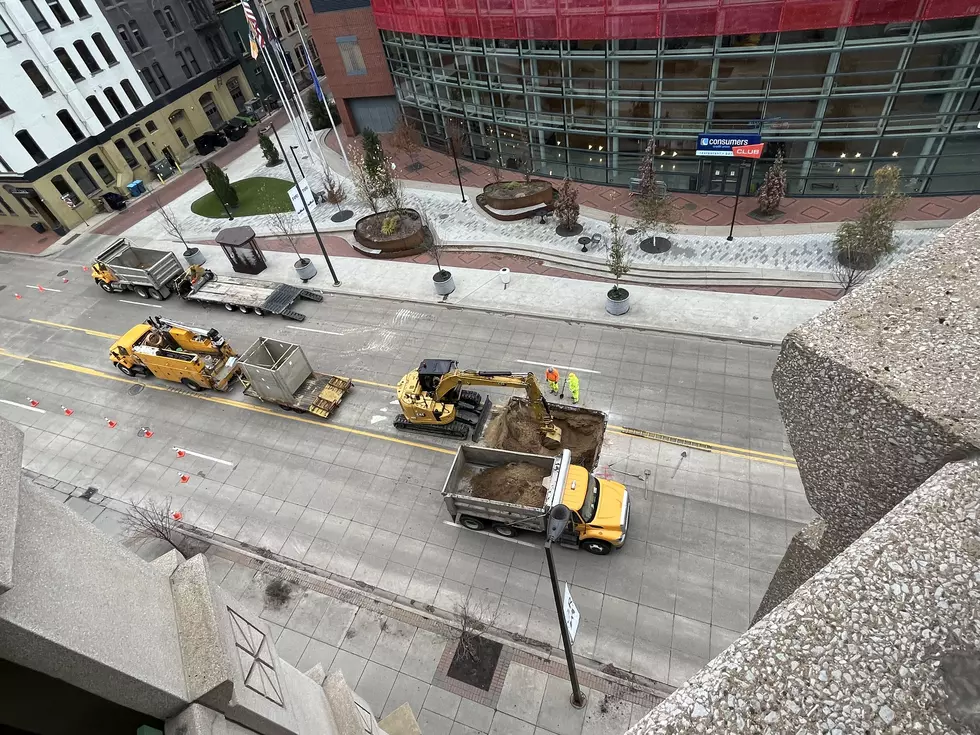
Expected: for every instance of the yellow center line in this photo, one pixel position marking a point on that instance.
(713, 445)
(225, 402)
(376, 385)
(92, 332)
(749, 457)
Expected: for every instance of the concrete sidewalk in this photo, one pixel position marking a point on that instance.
(392, 655)
(730, 316)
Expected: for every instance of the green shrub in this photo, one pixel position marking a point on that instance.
(390, 225)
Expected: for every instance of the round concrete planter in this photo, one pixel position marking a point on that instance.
(194, 256)
(617, 301)
(537, 192)
(305, 269)
(443, 282)
(404, 243)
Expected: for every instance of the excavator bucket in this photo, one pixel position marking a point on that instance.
(551, 436)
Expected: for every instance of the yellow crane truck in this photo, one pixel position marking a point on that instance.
(199, 359)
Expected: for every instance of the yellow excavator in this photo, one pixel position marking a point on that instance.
(433, 400)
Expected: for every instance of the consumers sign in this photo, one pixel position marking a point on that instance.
(730, 145)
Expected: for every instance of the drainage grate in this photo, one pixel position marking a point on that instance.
(87, 495)
(72, 239)
(135, 389)
(666, 438)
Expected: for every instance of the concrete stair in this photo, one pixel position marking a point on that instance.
(401, 722)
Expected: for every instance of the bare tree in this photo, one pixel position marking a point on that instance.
(864, 242)
(173, 226)
(407, 139)
(364, 182)
(472, 617)
(153, 521)
(336, 192)
(284, 228)
(773, 187)
(433, 244)
(456, 134)
(525, 162)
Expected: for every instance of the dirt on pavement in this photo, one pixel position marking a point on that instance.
(516, 482)
(513, 427)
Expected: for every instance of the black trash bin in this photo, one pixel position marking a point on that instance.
(38, 227)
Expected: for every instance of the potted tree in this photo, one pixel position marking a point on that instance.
(443, 279)
(772, 191)
(567, 211)
(407, 139)
(337, 195)
(654, 208)
(864, 242)
(175, 228)
(303, 266)
(618, 261)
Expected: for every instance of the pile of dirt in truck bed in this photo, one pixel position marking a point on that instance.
(516, 482)
(513, 427)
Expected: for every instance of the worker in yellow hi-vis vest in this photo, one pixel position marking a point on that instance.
(573, 386)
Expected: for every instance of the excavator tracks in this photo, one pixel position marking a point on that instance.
(456, 430)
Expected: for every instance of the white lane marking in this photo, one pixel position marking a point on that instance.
(204, 456)
(393, 403)
(141, 303)
(375, 419)
(494, 535)
(21, 405)
(318, 331)
(43, 288)
(563, 367)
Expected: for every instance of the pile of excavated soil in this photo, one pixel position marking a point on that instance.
(514, 428)
(517, 482)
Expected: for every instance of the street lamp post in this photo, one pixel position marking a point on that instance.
(296, 158)
(558, 519)
(205, 172)
(459, 176)
(738, 190)
(306, 207)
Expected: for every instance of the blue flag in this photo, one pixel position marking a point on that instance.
(316, 81)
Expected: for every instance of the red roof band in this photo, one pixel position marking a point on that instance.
(611, 19)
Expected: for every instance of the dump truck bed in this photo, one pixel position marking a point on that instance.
(471, 460)
(272, 298)
(141, 266)
(319, 394)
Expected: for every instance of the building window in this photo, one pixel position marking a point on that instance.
(151, 127)
(158, 14)
(104, 49)
(82, 179)
(183, 64)
(35, 75)
(6, 35)
(117, 105)
(136, 135)
(350, 52)
(212, 49)
(299, 13)
(240, 42)
(126, 40)
(168, 12)
(127, 154)
(4, 109)
(68, 64)
(135, 29)
(70, 125)
(194, 11)
(58, 12)
(80, 8)
(287, 19)
(130, 90)
(158, 70)
(64, 190)
(193, 60)
(290, 63)
(149, 81)
(275, 25)
(99, 110)
(95, 160)
(87, 58)
(35, 13)
(32, 148)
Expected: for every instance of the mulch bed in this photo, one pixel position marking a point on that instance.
(370, 227)
(516, 189)
(477, 667)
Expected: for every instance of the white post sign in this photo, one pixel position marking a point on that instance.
(307, 194)
(571, 613)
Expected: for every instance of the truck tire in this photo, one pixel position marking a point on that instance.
(125, 370)
(473, 524)
(259, 311)
(105, 286)
(155, 295)
(229, 307)
(596, 546)
(243, 309)
(141, 292)
(191, 385)
(502, 529)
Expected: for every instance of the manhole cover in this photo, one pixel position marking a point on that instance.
(135, 389)
(631, 231)
(443, 216)
(62, 273)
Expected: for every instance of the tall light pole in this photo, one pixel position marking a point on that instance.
(738, 190)
(459, 177)
(558, 519)
(306, 207)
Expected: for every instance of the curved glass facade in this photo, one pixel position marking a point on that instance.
(837, 102)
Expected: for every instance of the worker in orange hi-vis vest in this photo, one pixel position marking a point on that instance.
(552, 376)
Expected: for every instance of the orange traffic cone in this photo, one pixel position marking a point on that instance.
(180, 453)
(34, 402)
(183, 478)
(110, 423)
(177, 515)
(64, 280)
(68, 411)
(145, 431)
(85, 268)
(17, 296)
(40, 288)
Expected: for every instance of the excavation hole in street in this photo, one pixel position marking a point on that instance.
(513, 427)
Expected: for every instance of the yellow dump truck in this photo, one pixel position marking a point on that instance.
(199, 359)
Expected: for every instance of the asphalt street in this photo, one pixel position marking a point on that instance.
(353, 496)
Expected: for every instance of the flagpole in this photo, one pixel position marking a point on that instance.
(260, 41)
(326, 104)
(272, 60)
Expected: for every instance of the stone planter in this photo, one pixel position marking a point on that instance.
(194, 256)
(405, 242)
(305, 269)
(617, 301)
(443, 282)
(498, 196)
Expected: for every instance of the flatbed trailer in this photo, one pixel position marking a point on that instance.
(246, 295)
(278, 372)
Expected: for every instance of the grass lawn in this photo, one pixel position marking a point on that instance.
(259, 195)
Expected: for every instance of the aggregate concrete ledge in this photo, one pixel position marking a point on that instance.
(884, 639)
(11, 451)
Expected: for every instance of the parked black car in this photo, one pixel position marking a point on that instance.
(209, 141)
(234, 129)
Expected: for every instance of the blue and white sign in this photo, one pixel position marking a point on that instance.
(730, 145)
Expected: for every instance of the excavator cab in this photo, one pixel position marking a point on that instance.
(431, 372)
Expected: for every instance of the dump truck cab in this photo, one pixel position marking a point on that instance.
(197, 358)
(600, 509)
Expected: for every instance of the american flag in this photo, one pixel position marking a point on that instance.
(252, 24)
